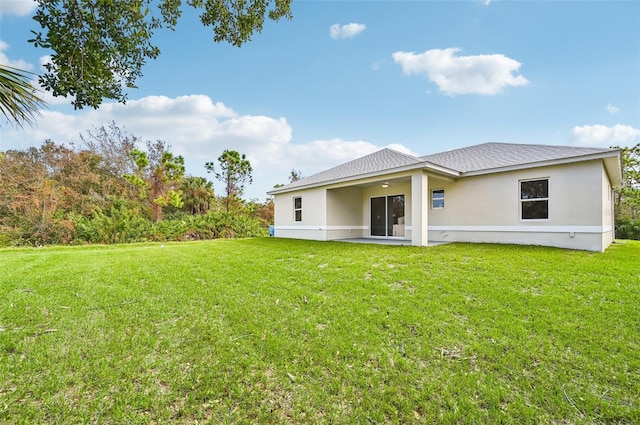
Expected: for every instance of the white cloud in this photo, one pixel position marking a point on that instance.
(17, 7)
(337, 31)
(200, 129)
(612, 109)
(602, 135)
(18, 63)
(480, 74)
(319, 155)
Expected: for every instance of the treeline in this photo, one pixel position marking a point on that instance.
(628, 196)
(110, 190)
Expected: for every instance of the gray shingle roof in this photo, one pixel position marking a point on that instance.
(483, 157)
(385, 159)
(497, 155)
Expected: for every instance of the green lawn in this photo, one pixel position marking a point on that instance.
(280, 331)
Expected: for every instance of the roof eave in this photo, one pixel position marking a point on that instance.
(429, 166)
(613, 165)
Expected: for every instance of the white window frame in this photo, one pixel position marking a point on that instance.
(297, 210)
(434, 199)
(522, 201)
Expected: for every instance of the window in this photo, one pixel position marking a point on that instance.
(534, 199)
(297, 209)
(437, 199)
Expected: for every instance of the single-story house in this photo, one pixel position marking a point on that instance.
(560, 196)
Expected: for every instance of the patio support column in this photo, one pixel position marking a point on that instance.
(419, 208)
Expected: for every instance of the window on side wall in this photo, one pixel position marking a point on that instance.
(437, 199)
(297, 209)
(534, 199)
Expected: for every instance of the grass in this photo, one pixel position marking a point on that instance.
(282, 331)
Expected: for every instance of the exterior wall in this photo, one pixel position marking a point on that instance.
(487, 208)
(314, 220)
(608, 202)
(344, 213)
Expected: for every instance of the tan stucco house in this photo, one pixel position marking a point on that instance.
(558, 196)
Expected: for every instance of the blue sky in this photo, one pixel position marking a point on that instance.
(347, 78)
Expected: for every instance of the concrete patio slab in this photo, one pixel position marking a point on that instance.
(385, 241)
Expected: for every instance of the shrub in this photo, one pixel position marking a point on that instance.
(10, 236)
(54, 231)
(169, 230)
(118, 224)
(217, 224)
(627, 228)
(121, 224)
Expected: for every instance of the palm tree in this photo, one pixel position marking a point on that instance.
(18, 99)
(197, 194)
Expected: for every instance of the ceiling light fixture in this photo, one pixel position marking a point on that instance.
(385, 185)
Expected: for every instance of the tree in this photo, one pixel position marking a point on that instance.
(295, 175)
(100, 46)
(19, 101)
(29, 196)
(263, 211)
(157, 177)
(42, 188)
(197, 194)
(235, 171)
(114, 146)
(628, 197)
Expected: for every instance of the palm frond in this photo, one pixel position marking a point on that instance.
(19, 100)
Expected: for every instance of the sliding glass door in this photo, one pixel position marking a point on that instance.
(387, 216)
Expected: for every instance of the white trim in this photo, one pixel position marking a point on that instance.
(510, 229)
(323, 228)
(346, 227)
(526, 229)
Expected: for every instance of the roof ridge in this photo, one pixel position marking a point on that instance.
(416, 158)
(541, 145)
(511, 144)
(372, 162)
(492, 155)
(363, 159)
